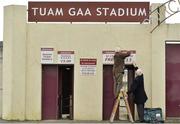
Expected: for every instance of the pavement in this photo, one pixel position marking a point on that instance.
(174, 121)
(62, 122)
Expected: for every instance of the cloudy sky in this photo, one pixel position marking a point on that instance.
(174, 19)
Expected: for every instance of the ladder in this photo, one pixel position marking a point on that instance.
(123, 94)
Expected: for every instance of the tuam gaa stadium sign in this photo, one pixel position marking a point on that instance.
(88, 11)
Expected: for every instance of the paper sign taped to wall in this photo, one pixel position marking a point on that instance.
(130, 59)
(88, 66)
(108, 57)
(66, 57)
(47, 55)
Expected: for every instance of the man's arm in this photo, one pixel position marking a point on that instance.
(125, 54)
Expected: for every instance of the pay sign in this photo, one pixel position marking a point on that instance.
(130, 59)
(108, 57)
(66, 57)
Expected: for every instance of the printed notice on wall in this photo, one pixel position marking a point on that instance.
(108, 57)
(66, 57)
(88, 66)
(47, 55)
(130, 59)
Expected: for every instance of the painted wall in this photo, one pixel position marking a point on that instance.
(87, 41)
(159, 37)
(14, 64)
(22, 78)
(1, 68)
(22, 67)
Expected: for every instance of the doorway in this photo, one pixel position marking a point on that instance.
(50, 92)
(57, 92)
(66, 81)
(172, 80)
(108, 95)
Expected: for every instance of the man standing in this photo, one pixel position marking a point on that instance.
(118, 69)
(140, 97)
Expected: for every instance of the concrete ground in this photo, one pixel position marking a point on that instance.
(174, 121)
(63, 121)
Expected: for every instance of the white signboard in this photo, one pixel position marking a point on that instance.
(108, 57)
(47, 55)
(130, 59)
(88, 66)
(66, 57)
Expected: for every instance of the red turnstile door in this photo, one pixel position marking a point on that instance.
(50, 92)
(108, 95)
(172, 80)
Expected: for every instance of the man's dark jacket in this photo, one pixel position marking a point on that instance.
(137, 89)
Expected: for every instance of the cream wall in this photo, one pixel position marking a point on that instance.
(1, 67)
(158, 67)
(22, 68)
(162, 34)
(87, 41)
(14, 64)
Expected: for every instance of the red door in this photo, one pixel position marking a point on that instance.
(50, 92)
(108, 95)
(172, 80)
